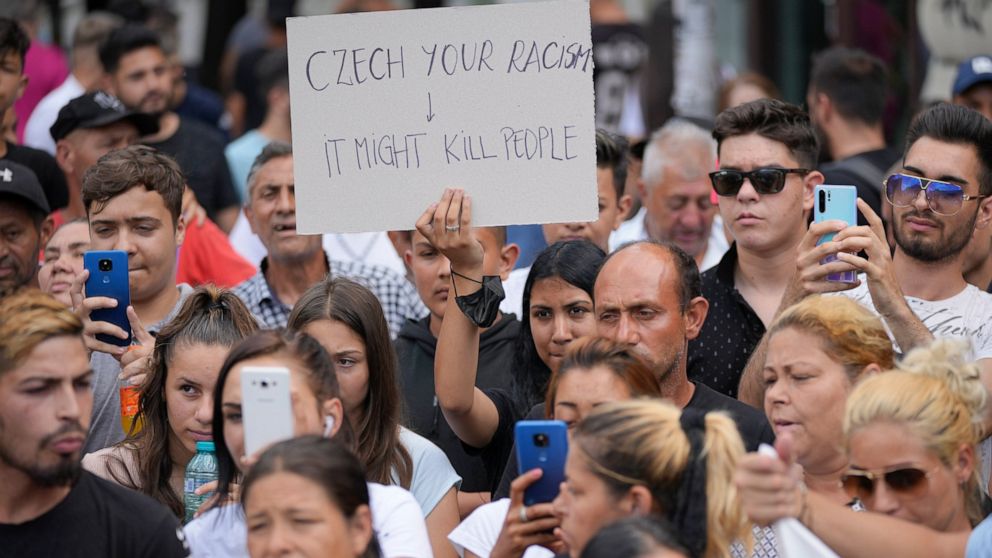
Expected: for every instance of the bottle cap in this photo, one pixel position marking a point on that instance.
(205, 446)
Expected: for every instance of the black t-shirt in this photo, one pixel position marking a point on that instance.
(500, 447)
(98, 518)
(752, 424)
(415, 348)
(864, 171)
(512, 469)
(46, 169)
(199, 150)
(732, 330)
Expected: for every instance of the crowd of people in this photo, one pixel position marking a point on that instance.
(696, 320)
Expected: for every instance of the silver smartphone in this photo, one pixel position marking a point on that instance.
(266, 408)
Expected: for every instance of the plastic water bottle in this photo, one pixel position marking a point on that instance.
(200, 470)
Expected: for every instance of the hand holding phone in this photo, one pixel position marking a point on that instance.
(266, 408)
(542, 444)
(835, 203)
(108, 278)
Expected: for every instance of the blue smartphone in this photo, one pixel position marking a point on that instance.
(542, 444)
(108, 277)
(835, 203)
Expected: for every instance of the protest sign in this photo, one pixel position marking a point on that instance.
(389, 108)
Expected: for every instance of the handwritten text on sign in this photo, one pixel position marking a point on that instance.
(389, 108)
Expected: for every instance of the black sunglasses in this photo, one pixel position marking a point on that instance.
(765, 180)
(909, 481)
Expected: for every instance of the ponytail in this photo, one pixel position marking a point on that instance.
(726, 522)
(685, 458)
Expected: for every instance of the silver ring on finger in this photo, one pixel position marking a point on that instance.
(523, 514)
(452, 228)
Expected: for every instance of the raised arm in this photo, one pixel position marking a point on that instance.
(886, 294)
(472, 415)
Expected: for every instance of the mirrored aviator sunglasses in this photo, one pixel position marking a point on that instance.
(764, 180)
(908, 481)
(943, 198)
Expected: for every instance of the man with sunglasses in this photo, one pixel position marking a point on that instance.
(939, 201)
(767, 151)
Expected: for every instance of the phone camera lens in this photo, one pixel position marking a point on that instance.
(106, 265)
(265, 383)
(541, 440)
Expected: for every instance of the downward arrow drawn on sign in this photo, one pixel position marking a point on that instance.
(430, 112)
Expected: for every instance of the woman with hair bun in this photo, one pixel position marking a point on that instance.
(912, 434)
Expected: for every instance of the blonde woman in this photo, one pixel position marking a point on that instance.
(911, 437)
(817, 351)
(647, 457)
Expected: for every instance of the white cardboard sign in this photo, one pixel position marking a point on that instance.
(389, 108)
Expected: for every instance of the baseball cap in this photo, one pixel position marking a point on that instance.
(97, 109)
(975, 70)
(20, 181)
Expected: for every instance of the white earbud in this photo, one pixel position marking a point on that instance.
(328, 426)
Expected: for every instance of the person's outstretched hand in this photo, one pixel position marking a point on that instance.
(770, 487)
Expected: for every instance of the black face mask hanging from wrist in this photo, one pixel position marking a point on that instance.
(482, 306)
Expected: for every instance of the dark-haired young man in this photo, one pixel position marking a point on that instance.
(138, 73)
(14, 44)
(846, 99)
(133, 199)
(939, 200)
(767, 152)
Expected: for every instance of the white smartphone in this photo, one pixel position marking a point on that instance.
(266, 408)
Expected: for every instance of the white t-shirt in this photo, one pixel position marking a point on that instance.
(966, 315)
(480, 530)
(396, 519)
(433, 475)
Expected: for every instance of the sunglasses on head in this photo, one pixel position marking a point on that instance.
(943, 198)
(764, 180)
(909, 481)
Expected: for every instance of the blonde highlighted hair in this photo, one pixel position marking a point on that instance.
(31, 317)
(937, 394)
(850, 334)
(642, 442)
